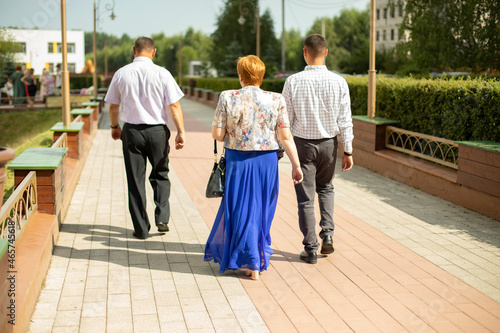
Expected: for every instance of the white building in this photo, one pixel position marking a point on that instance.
(42, 49)
(196, 68)
(389, 19)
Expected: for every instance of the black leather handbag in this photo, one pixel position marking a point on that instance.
(215, 187)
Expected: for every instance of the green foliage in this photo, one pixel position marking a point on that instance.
(453, 34)
(195, 46)
(348, 40)
(83, 81)
(467, 110)
(233, 40)
(294, 55)
(455, 109)
(8, 47)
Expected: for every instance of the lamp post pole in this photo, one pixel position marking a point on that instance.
(64, 73)
(180, 62)
(108, 7)
(256, 21)
(371, 71)
(283, 67)
(94, 37)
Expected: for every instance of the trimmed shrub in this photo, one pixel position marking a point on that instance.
(455, 109)
(83, 81)
(460, 110)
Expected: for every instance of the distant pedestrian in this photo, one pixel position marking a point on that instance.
(144, 90)
(319, 108)
(249, 121)
(29, 80)
(19, 87)
(58, 82)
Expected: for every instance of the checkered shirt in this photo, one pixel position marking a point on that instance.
(319, 105)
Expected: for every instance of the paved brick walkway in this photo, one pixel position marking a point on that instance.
(405, 261)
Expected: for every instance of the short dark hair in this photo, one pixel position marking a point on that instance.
(144, 44)
(315, 45)
(19, 68)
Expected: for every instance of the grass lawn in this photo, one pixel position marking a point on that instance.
(26, 129)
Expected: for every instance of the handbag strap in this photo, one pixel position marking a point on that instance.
(215, 151)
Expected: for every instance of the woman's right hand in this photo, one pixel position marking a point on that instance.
(297, 175)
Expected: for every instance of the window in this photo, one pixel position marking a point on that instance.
(383, 35)
(392, 34)
(400, 10)
(51, 68)
(54, 47)
(385, 13)
(22, 47)
(71, 67)
(378, 35)
(393, 11)
(378, 14)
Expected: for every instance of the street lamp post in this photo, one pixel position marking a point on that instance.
(371, 71)
(108, 7)
(64, 73)
(241, 20)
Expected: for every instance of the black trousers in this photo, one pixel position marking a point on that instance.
(151, 142)
(317, 161)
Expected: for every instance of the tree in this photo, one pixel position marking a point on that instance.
(348, 40)
(8, 49)
(294, 56)
(233, 40)
(454, 34)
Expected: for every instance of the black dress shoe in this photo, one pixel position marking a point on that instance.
(310, 258)
(327, 246)
(138, 236)
(162, 227)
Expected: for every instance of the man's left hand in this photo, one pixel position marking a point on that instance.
(179, 141)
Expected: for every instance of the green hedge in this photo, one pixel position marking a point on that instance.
(460, 110)
(226, 84)
(80, 81)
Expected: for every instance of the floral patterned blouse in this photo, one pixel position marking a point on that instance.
(251, 117)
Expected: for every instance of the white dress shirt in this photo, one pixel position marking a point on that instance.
(143, 89)
(319, 105)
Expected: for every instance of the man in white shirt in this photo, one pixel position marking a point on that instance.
(319, 109)
(144, 89)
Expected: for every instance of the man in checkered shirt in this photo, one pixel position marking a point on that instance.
(319, 109)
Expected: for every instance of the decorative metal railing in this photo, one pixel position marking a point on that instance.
(431, 148)
(17, 210)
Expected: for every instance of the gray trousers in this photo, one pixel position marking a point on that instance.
(317, 160)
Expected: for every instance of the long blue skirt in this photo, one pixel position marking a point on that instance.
(240, 236)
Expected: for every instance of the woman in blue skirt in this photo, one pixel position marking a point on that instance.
(249, 121)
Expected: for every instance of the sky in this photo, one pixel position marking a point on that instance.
(146, 17)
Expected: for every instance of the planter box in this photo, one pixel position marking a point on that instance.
(369, 134)
(479, 166)
(75, 137)
(49, 164)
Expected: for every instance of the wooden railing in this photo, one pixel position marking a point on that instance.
(431, 148)
(17, 210)
(62, 142)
